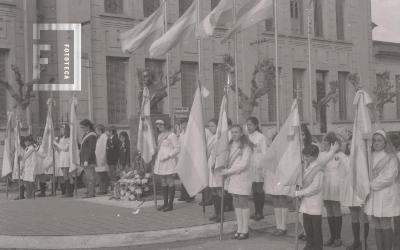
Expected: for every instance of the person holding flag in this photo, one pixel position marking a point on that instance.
(30, 161)
(65, 160)
(256, 166)
(238, 182)
(215, 179)
(383, 201)
(165, 163)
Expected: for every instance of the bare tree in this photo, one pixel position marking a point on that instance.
(21, 93)
(384, 92)
(265, 69)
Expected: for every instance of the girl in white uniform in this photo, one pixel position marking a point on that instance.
(383, 202)
(165, 164)
(333, 174)
(29, 164)
(256, 166)
(238, 182)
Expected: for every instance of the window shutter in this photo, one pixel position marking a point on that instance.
(340, 19)
(189, 78)
(342, 96)
(116, 89)
(113, 6)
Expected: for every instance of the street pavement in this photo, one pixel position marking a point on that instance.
(55, 216)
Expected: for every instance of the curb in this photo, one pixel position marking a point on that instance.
(115, 240)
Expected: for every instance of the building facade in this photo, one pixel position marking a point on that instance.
(341, 43)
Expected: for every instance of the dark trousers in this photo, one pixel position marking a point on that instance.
(29, 189)
(396, 242)
(90, 174)
(313, 228)
(102, 178)
(258, 197)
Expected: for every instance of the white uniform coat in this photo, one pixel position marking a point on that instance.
(259, 150)
(168, 150)
(333, 177)
(30, 164)
(214, 178)
(101, 155)
(384, 199)
(63, 149)
(238, 179)
(311, 202)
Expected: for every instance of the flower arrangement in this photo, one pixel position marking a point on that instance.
(132, 186)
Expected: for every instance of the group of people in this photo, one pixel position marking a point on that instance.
(104, 156)
(326, 183)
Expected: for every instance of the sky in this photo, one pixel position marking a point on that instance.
(386, 14)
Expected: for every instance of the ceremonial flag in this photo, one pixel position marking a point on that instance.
(251, 14)
(7, 153)
(284, 156)
(146, 144)
(220, 15)
(181, 29)
(73, 142)
(192, 165)
(145, 32)
(17, 170)
(358, 152)
(222, 144)
(46, 148)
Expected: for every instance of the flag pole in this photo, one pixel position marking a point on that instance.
(167, 63)
(310, 9)
(235, 47)
(362, 219)
(301, 184)
(199, 84)
(276, 64)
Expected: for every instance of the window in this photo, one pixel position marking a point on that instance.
(156, 67)
(298, 83)
(3, 91)
(397, 82)
(318, 24)
(340, 19)
(296, 16)
(269, 25)
(116, 89)
(149, 6)
(189, 78)
(184, 5)
(321, 92)
(214, 3)
(114, 6)
(342, 80)
(220, 78)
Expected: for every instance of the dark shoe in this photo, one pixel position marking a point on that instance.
(168, 208)
(258, 217)
(354, 246)
(228, 209)
(41, 195)
(302, 236)
(190, 199)
(18, 198)
(337, 243)
(88, 196)
(280, 232)
(235, 236)
(212, 218)
(161, 208)
(329, 242)
(182, 199)
(67, 195)
(243, 236)
(253, 216)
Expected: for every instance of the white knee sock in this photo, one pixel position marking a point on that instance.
(246, 218)
(238, 212)
(278, 217)
(284, 218)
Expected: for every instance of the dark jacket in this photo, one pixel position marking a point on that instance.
(124, 155)
(88, 148)
(113, 145)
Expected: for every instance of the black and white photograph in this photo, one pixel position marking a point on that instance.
(200, 124)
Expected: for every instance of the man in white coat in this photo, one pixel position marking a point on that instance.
(101, 159)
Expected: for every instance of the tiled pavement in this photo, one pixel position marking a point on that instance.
(54, 216)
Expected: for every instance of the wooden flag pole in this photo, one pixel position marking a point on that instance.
(7, 187)
(235, 48)
(276, 65)
(297, 202)
(310, 107)
(362, 217)
(167, 64)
